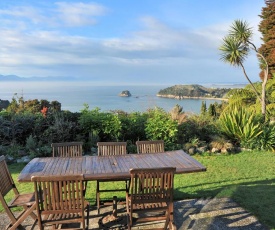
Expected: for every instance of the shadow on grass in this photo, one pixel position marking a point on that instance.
(257, 197)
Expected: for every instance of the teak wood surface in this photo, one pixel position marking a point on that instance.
(108, 167)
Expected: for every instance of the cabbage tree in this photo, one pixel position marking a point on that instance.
(235, 49)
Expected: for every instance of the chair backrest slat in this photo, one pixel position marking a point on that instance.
(59, 194)
(67, 149)
(156, 146)
(7, 183)
(111, 148)
(152, 185)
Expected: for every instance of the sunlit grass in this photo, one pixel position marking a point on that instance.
(248, 178)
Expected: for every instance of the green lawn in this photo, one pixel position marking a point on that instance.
(248, 178)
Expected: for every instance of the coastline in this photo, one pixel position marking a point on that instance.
(188, 97)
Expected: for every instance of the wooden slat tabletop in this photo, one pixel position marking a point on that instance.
(109, 167)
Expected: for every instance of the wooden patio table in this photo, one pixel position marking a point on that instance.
(108, 167)
(111, 167)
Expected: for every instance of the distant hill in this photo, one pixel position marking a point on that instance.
(23, 79)
(193, 91)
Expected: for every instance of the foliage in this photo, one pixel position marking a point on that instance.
(107, 125)
(14, 129)
(60, 128)
(233, 51)
(177, 114)
(266, 140)
(13, 150)
(36, 132)
(267, 28)
(160, 126)
(212, 110)
(216, 109)
(241, 126)
(197, 126)
(246, 97)
(241, 97)
(193, 143)
(133, 126)
(203, 108)
(19, 105)
(36, 149)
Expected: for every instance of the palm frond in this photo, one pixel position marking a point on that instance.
(241, 30)
(234, 51)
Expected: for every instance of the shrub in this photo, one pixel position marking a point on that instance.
(16, 128)
(107, 125)
(160, 126)
(59, 128)
(133, 126)
(197, 127)
(241, 126)
(266, 140)
(37, 149)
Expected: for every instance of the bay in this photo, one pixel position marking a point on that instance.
(73, 96)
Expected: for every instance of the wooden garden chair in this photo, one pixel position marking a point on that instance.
(108, 149)
(27, 201)
(67, 149)
(60, 200)
(151, 191)
(150, 146)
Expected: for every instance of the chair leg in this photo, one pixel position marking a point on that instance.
(170, 217)
(128, 214)
(88, 216)
(97, 197)
(85, 187)
(129, 222)
(23, 217)
(31, 214)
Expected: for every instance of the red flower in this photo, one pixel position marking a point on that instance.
(44, 111)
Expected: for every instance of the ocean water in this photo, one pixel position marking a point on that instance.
(73, 96)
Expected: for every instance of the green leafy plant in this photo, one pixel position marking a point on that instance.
(267, 139)
(136, 121)
(241, 126)
(107, 125)
(197, 126)
(160, 126)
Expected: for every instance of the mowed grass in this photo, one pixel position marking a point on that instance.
(248, 178)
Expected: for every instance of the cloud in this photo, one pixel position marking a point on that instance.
(57, 15)
(79, 14)
(19, 12)
(156, 49)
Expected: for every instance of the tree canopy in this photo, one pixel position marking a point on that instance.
(267, 28)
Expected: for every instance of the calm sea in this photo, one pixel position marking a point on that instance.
(73, 96)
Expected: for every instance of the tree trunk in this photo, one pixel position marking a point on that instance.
(253, 87)
(264, 84)
(263, 92)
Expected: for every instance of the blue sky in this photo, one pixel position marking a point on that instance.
(124, 41)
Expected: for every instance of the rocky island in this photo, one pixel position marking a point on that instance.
(193, 91)
(125, 93)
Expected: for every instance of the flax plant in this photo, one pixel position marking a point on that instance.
(241, 126)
